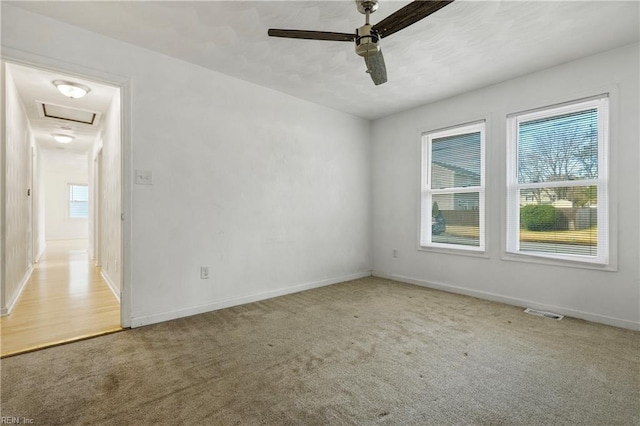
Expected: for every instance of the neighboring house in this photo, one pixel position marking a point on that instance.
(543, 197)
(449, 176)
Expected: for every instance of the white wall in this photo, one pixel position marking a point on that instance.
(610, 297)
(95, 198)
(17, 145)
(274, 193)
(57, 177)
(269, 191)
(110, 203)
(39, 239)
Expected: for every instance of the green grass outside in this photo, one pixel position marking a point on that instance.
(578, 237)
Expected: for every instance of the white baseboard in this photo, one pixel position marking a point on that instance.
(235, 301)
(114, 289)
(602, 319)
(6, 310)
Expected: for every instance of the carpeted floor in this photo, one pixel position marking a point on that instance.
(369, 351)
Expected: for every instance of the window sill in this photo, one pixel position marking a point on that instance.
(470, 252)
(567, 263)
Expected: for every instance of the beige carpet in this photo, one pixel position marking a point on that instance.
(369, 351)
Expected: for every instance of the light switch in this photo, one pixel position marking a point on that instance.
(144, 177)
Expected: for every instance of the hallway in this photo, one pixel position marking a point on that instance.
(65, 299)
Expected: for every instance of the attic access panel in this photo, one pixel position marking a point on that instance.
(68, 114)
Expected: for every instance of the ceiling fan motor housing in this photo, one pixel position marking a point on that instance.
(365, 6)
(367, 42)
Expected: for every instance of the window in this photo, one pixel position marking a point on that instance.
(78, 201)
(452, 208)
(557, 182)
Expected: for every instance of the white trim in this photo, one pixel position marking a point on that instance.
(3, 172)
(126, 194)
(16, 295)
(568, 312)
(69, 201)
(111, 285)
(235, 301)
(459, 250)
(566, 262)
(426, 192)
(564, 107)
(33, 60)
(512, 250)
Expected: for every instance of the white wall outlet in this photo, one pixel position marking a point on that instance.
(204, 272)
(394, 252)
(144, 177)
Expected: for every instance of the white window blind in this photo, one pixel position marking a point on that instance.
(452, 208)
(78, 201)
(557, 182)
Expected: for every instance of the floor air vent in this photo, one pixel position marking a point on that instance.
(543, 314)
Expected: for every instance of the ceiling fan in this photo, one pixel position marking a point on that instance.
(367, 37)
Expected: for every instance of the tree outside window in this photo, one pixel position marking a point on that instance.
(558, 183)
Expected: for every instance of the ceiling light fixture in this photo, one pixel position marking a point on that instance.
(62, 138)
(71, 90)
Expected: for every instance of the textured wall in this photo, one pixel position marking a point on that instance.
(17, 151)
(606, 296)
(111, 238)
(272, 193)
(38, 204)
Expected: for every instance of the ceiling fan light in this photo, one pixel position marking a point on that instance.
(71, 90)
(62, 138)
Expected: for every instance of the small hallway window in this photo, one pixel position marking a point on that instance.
(78, 201)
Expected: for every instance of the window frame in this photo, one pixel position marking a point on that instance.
(427, 193)
(70, 201)
(603, 104)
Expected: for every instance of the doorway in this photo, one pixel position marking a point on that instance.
(69, 286)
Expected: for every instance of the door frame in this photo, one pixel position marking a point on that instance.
(20, 57)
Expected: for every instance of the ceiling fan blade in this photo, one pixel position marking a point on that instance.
(312, 35)
(410, 14)
(376, 68)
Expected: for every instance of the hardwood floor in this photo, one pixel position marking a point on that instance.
(65, 299)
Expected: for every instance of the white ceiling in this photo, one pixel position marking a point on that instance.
(35, 85)
(465, 46)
